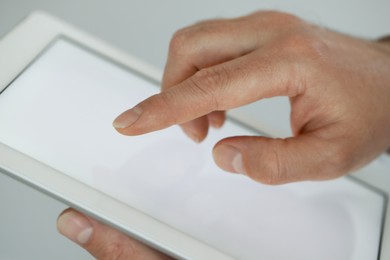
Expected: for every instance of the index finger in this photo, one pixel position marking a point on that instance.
(221, 87)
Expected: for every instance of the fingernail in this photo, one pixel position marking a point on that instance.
(229, 158)
(191, 134)
(75, 226)
(127, 118)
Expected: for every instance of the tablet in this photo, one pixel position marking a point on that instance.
(61, 90)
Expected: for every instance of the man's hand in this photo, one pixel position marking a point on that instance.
(102, 241)
(339, 88)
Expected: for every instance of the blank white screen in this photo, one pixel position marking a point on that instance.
(59, 111)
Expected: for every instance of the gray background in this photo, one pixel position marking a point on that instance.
(144, 28)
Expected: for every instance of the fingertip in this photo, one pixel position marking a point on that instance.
(229, 158)
(193, 135)
(124, 131)
(74, 226)
(127, 118)
(216, 119)
(196, 129)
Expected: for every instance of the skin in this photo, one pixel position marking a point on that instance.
(338, 86)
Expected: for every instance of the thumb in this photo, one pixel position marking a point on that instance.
(101, 241)
(279, 161)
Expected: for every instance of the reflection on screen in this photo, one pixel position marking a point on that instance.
(60, 111)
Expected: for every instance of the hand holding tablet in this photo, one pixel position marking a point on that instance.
(160, 188)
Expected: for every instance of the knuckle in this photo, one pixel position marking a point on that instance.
(293, 35)
(304, 45)
(210, 23)
(209, 78)
(282, 17)
(186, 40)
(273, 170)
(276, 172)
(180, 42)
(209, 28)
(275, 19)
(209, 82)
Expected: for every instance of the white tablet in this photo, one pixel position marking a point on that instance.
(60, 90)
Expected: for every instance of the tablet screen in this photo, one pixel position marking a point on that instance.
(60, 112)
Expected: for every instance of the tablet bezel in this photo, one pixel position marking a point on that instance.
(29, 39)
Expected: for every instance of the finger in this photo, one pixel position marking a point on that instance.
(214, 88)
(212, 42)
(196, 129)
(278, 161)
(102, 241)
(202, 45)
(217, 118)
